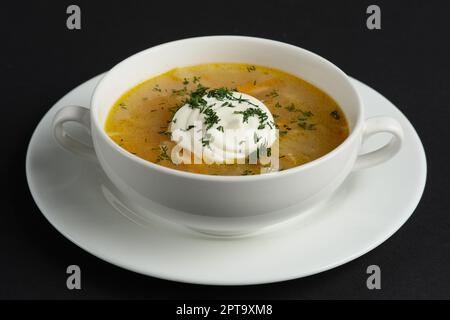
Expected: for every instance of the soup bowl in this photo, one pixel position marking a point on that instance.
(225, 205)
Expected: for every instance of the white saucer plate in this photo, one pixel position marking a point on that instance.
(79, 201)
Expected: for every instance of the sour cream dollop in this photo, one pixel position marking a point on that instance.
(222, 126)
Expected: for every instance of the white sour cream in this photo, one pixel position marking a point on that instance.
(225, 128)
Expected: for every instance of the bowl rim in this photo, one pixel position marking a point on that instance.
(241, 178)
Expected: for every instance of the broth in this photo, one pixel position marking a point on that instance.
(310, 122)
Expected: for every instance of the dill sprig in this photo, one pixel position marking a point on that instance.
(163, 153)
(254, 112)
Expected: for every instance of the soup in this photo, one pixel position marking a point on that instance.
(310, 123)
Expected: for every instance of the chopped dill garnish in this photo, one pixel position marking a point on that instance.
(278, 105)
(165, 132)
(179, 92)
(307, 126)
(273, 94)
(157, 88)
(211, 118)
(189, 127)
(251, 68)
(291, 108)
(195, 99)
(163, 155)
(205, 142)
(195, 79)
(185, 81)
(220, 128)
(252, 112)
(307, 113)
(221, 94)
(247, 173)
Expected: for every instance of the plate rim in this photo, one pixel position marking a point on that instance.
(412, 205)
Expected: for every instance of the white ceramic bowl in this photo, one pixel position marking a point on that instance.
(226, 204)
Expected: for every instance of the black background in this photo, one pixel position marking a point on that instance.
(41, 60)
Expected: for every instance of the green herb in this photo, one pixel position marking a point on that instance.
(179, 92)
(157, 88)
(307, 126)
(221, 94)
(164, 132)
(211, 118)
(163, 155)
(291, 108)
(256, 138)
(185, 81)
(272, 124)
(247, 173)
(228, 104)
(195, 99)
(205, 142)
(189, 127)
(220, 128)
(277, 105)
(251, 68)
(273, 94)
(335, 114)
(252, 112)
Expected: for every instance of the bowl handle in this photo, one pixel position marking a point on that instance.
(79, 115)
(377, 125)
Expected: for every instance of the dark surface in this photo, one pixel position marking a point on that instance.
(407, 61)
